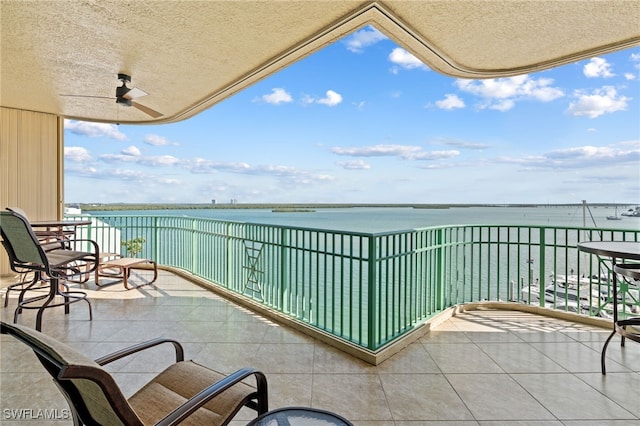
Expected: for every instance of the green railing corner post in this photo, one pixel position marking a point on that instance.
(372, 280)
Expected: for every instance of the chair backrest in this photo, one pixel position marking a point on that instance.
(25, 247)
(19, 211)
(93, 395)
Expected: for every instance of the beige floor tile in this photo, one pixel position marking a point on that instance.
(442, 335)
(576, 357)
(329, 360)
(462, 358)
(520, 358)
(497, 397)
(414, 359)
(623, 388)
(290, 390)
(423, 397)
(227, 357)
(568, 397)
(354, 396)
(280, 358)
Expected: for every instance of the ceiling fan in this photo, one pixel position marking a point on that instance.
(125, 96)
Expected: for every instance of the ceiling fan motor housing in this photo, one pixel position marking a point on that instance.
(123, 90)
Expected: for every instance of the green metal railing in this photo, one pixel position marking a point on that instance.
(370, 289)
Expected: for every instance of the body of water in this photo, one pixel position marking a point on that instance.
(382, 219)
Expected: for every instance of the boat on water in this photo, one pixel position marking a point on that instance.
(615, 216)
(632, 212)
(72, 209)
(583, 295)
(570, 299)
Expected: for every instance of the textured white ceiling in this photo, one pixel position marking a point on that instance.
(190, 55)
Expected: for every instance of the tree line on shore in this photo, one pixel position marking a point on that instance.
(289, 206)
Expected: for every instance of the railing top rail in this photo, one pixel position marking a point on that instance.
(373, 234)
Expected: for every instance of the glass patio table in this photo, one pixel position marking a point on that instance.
(616, 250)
(299, 416)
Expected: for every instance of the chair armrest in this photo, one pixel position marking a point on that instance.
(71, 245)
(194, 403)
(140, 347)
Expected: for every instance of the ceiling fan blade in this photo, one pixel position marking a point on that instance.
(88, 96)
(134, 93)
(151, 112)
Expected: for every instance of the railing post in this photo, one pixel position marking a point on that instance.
(541, 272)
(156, 238)
(227, 272)
(439, 270)
(193, 246)
(372, 280)
(284, 282)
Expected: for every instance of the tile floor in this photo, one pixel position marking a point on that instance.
(478, 368)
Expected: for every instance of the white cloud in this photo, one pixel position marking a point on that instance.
(354, 165)
(277, 96)
(406, 60)
(201, 165)
(76, 154)
(582, 157)
(363, 38)
(450, 102)
(502, 93)
(331, 99)
(629, 76)
(407, 152)
(378, 151)
(161, 160)
(155, 161)
(601, 101)
(501, 105)
(598, 67)
(157, 140)
(434, 155)
(284, 173)
(94, 130)
(461, 144)
(132, 150)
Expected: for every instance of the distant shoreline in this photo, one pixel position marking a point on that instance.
(313, 206)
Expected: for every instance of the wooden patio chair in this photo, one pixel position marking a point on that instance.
(186, 392)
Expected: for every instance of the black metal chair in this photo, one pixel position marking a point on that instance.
(185, 393)
(630, 273)
(628, 328)
(29, 280)
(53, 261)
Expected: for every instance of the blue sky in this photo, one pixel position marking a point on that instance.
(363, 121)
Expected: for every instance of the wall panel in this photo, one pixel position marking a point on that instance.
(31, 154)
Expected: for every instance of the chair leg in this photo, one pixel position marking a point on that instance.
(24, 289)
(41, 311)
(55, 285)
(604, 352)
